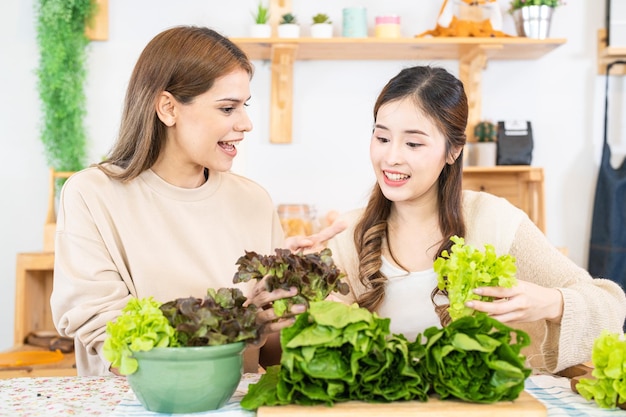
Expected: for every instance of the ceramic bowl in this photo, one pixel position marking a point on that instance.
(187, 379)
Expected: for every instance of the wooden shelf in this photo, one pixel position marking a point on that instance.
(471, 52)
(608, 54)
(399, 49)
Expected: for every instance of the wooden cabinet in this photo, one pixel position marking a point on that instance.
(33, 286)
(522, 185)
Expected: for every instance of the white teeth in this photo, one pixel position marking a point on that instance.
(227, 145)
(396, 177)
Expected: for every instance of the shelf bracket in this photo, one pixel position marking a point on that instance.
(606, 55)
(472, 61)
(281, 113)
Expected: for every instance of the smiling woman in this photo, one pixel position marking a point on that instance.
(163, 216)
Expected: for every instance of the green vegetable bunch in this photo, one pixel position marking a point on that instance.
(315, 275)
(476, 359)
(144, 324)
(465, 268)
(141, 327)
(217, 319)
(608, 389)
(335, 353)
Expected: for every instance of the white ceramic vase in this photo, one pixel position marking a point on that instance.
(261, 31)
(289, 30)
(321, 30)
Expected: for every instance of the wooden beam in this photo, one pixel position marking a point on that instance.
(281, 110)
(98, 28)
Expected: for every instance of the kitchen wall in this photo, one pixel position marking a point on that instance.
(327, 163)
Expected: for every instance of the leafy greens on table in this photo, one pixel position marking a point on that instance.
(314, 275)
(465, 268)
(608, 388)
(144, 324)
(335, 353)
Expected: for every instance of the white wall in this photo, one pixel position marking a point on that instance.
(327, 163)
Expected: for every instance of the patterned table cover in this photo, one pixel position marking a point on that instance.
(112, 397)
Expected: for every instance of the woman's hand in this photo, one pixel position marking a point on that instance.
(315, 242)
(524, 302)
(266, 317)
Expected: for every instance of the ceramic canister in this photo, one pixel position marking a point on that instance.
(355, 22)
(387, 27)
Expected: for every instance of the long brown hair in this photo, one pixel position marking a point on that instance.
(441, 96)
(184, 61)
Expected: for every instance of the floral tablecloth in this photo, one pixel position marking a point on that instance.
(112, 397)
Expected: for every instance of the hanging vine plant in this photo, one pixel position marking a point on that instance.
(61, 78)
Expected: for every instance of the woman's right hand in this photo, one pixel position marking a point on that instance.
(266, 317)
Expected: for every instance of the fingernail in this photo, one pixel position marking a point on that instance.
(469, 304)
(298, 308)
(478, 291)
(293, 290)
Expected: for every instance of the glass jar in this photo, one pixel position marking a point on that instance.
(296, 219)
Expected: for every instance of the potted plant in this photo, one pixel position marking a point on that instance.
(261, 27)
(322, 26)
(288, 26)
(484, 150)
(533, 17)
(183, 356)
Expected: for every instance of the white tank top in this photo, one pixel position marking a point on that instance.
(407, 300)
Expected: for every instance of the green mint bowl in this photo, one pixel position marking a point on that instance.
(187, 379)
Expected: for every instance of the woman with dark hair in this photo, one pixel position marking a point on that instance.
(418, 204)
(162, 216)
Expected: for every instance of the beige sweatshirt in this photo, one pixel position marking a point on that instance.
(145, 238)
(590, 305)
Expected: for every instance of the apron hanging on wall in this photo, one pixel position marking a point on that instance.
(607, 249)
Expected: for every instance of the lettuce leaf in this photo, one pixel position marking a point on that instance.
(465, 268)
(608, 355)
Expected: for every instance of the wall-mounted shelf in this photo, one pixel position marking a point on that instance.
(472, 54)
(608, 54)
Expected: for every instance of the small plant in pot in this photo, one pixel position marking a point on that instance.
(484, 151)
(185, 355)
(322, 26)
(288, 26)
(261, 27)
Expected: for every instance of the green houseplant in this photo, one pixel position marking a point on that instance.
(61, 77)
(484, 151)
(288, 26)
(322, 26)
(261, 27)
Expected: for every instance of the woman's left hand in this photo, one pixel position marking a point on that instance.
(315, 242)
(524, 302)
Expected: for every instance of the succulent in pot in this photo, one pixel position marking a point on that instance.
(184, 355)
(322, 26)
(288, 26)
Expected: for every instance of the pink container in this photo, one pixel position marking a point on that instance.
(387, 27)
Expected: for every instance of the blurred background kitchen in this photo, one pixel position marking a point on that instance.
(326, 165)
